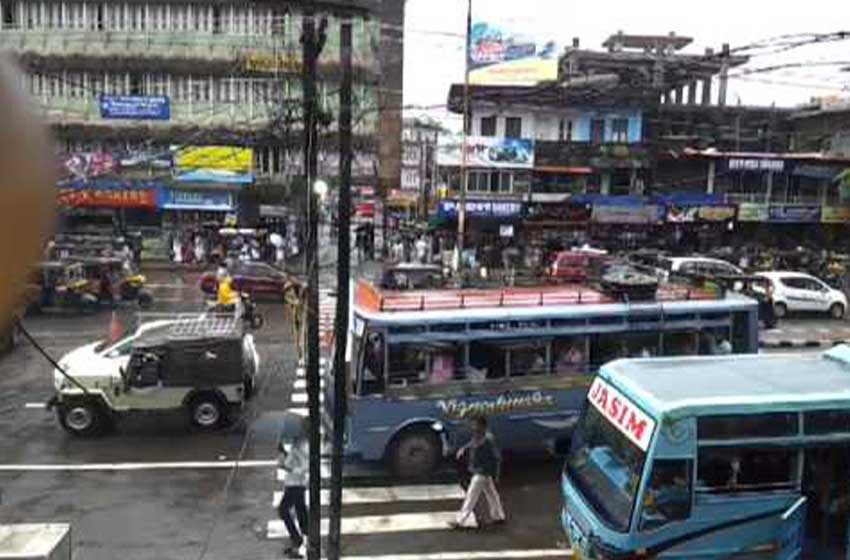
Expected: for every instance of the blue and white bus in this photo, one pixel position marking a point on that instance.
(713, 457)
(421, 363)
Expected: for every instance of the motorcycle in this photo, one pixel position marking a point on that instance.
(246, 309)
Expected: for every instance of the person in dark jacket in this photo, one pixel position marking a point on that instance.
(484, 464)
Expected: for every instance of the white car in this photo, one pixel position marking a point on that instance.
(796, 291)
(701, 266)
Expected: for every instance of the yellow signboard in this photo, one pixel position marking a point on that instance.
(835, 214)
(266, 62)
(215, 158)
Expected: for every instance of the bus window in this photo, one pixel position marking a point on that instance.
(668, 497)
(608, 347)
(741, 329)
(736, 426)
(528, 359)
(827, 421)
(569, 355)
(408, 364)
(715, 342)
(446, 363)
(373, 381)
(740, 469)
(487, 360)
(680, 344)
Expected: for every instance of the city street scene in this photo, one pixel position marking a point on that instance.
(424, 280)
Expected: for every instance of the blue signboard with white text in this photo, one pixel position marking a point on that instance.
(179, 199)
(138, 107)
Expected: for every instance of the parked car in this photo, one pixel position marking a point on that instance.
(577, 265)
(254, 278)
(796, 291)
(202, 366)
(412, 276)
(696, 266)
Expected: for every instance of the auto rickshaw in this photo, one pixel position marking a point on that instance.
(113, 278)
(56, 285)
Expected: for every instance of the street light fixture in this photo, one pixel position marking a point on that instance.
(320, 189)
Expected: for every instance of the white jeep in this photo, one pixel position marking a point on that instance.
(163, 365)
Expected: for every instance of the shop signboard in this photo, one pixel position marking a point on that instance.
(499, 56)
(506, 230)
(487, 151)
(797, 213)
(637, 215)
(756, 164)
(180, 199)
(683, 214)
(135, 107)
(143, 199)
(835, 214)
(273, 211)
(210, 159)
(752, 212)
(480, 209)
(562, 213)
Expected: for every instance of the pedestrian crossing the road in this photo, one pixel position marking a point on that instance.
(393, 519)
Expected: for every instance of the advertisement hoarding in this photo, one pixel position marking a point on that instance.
(231, 159)
(498, 56)
(488, 151)
(135, 107)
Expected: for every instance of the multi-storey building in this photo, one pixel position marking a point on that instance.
(231, 73)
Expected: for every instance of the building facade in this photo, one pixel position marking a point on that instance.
(222, 73)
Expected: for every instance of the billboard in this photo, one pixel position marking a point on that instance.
(135, 107)
(835, 214)
(481, 209)
(714, 213)
(179, 199)
(488, 151)
(798, 213)
(498, 56)
(143, 199)
(211, 164)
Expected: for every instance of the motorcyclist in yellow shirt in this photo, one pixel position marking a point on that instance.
(227, 296)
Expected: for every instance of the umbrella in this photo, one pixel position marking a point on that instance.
(292, 426)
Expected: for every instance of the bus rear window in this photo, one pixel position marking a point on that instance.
(736, 426)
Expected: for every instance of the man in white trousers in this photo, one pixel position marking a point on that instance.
(484, 463)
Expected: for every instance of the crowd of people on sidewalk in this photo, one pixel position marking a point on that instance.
(210, 246)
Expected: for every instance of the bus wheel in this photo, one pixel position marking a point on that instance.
(415, 453)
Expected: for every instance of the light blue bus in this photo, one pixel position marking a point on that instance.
(713, 457)
(421, 363)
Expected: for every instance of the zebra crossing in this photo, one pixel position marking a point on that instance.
(398, 518)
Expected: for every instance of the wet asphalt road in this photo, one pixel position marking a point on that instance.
(208, 512)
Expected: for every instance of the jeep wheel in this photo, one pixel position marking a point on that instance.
(206, 412)
(82, 419)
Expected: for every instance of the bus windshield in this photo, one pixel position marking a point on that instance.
(605, 467)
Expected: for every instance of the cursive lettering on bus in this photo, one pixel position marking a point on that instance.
(509, 402)
(622, 413)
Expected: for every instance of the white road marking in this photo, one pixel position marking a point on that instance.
(299, 411)
(301, 398)
(138, 466)
(301, 384)
(388, 494)
(40, 405)
(476, 555)
(375, 524)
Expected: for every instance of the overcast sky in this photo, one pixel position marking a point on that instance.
(434, 41)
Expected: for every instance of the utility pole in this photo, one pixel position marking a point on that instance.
(312, 42)
(343, 274)
(467, 124)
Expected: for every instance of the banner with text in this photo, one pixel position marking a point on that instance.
(487, 151)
